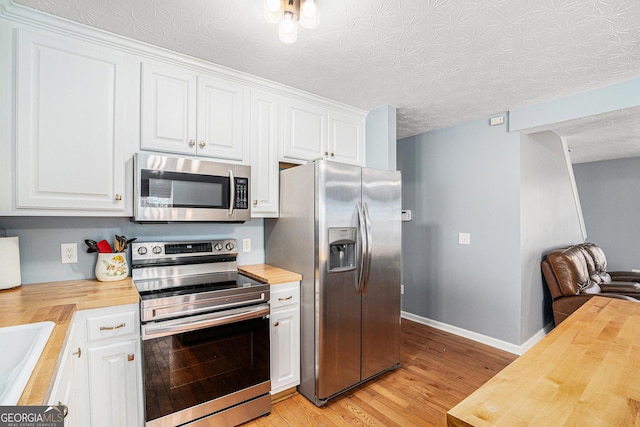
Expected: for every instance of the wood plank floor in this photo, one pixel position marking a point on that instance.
(437, 371)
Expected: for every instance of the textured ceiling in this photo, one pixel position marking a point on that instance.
(440, 62)
(604, 136)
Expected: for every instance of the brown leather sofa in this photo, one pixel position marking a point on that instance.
(579, 272)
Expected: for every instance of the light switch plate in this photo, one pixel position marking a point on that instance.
(246, 245)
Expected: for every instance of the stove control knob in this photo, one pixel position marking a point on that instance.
(157, 250)
(229, 246)
(217, 246)
(142, 250)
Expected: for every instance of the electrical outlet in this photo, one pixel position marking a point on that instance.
(69, 253)
(246, 245)
(464, 238)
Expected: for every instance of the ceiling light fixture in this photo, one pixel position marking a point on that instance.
(287, 13)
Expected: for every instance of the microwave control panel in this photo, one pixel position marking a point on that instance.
(242, 193)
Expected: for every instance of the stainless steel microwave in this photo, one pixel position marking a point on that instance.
(181, 189)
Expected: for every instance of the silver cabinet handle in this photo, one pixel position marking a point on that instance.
(192, 143)
(332, 155)
(285, 299)
(275, 325)
(118, 197)
(130, 357)
(202, 144)
(255, 203)
(111, 328)
(77, 353)
(66, 409)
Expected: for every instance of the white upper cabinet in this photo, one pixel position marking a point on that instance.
(168, 110)
(72, 118)
(346, 138)
(305, 133)
(186, 113)
(313, 131)
(220, 118)
(264, 132)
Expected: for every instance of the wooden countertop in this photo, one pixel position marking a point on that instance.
(584, 372)
(57, 302)
(269, 274)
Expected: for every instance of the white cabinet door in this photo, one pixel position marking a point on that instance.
(285, 349)
(305, 133)
(65, 389)
(285, 336)
(264, 133)
(220, 119)
(113, 387)
(346, 138)
(71, 116)
(168, 110)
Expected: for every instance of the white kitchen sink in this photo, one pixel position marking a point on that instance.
(21, 346)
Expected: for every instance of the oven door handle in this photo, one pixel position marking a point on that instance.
(188, 324)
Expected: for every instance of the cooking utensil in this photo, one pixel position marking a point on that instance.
(104, 247)
(92, 245)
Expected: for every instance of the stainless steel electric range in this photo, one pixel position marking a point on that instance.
(205, 333)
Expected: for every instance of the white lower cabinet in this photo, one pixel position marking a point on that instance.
(100, 374)
(285, 336)
(113, 387)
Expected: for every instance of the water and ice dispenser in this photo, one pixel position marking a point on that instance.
(342, 248)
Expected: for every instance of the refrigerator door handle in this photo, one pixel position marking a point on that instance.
(363, 245)
(367, 221)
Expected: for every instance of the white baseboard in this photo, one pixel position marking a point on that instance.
(484, 339)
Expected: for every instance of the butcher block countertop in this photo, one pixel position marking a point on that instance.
(584, 372)
(57, 302)
(267, 274)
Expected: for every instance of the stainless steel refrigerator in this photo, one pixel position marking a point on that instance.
(340, 227)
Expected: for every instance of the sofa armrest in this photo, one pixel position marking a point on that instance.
(624, 276)
(620, 287)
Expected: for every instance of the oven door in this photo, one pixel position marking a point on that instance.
(200, 365)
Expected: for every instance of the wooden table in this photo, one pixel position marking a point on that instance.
(586, 372)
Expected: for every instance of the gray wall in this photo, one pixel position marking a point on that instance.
(463, 179)
(610, 196)
(549, 219)
(40, 240)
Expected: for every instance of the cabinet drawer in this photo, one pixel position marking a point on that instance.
(111, 325)
(285, 294)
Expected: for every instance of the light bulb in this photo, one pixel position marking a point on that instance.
(309, 14)
(273, 5)
(288, 30)
(272, 11)
(309, 8)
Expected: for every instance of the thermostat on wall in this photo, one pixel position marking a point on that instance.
(406, 215)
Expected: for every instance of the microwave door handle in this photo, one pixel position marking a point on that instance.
(232, 192)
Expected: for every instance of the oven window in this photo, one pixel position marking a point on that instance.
(190, 368)
(161, 189)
